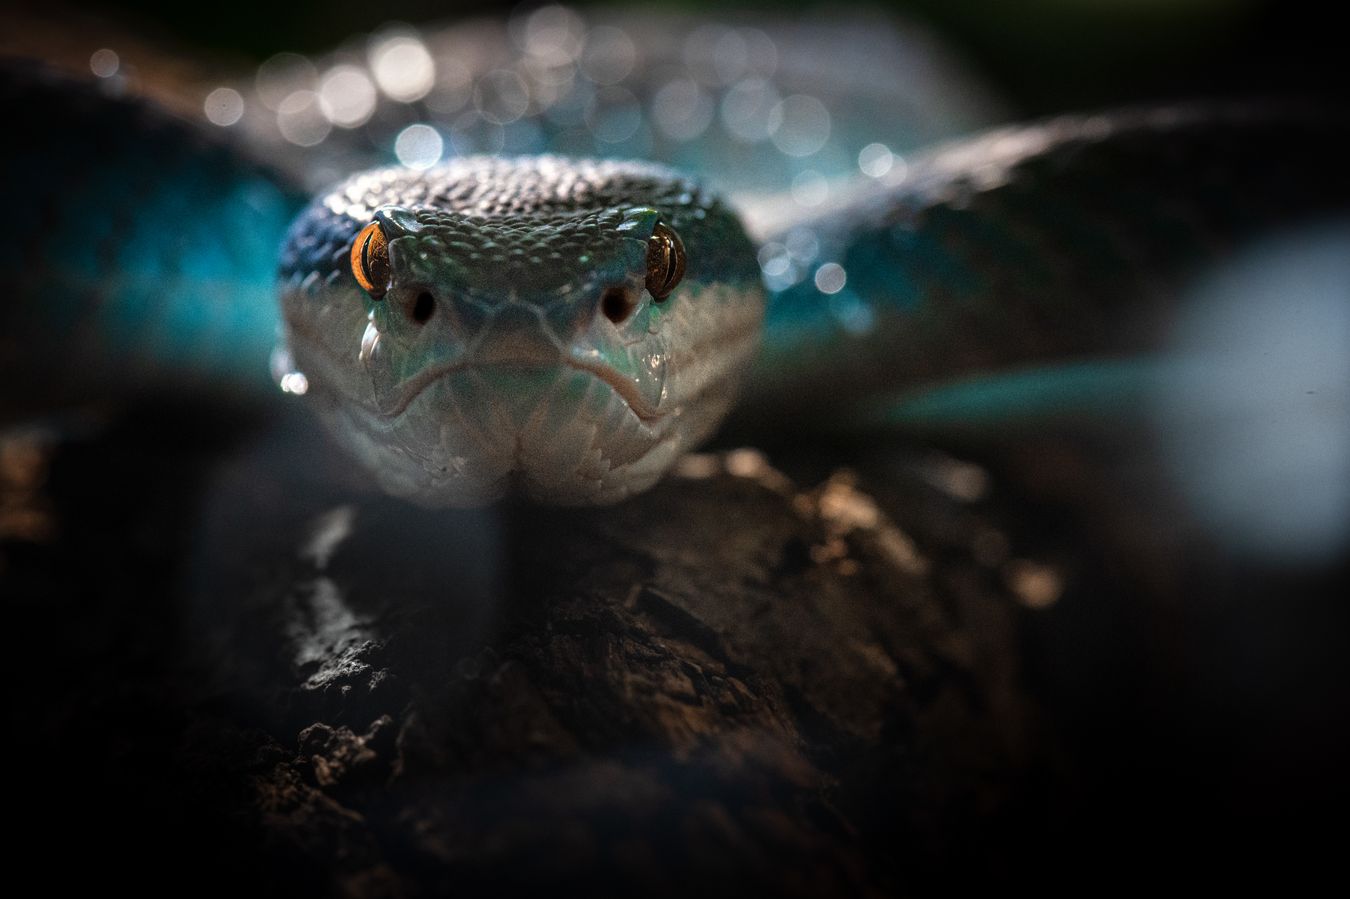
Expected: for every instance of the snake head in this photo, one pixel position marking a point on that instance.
(555, 328)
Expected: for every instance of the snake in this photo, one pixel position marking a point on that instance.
(564, 328)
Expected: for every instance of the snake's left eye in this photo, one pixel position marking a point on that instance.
(665, 261)
(370, 260)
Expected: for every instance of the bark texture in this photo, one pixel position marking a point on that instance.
(734, 683)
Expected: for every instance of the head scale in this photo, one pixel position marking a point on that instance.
(557, 328)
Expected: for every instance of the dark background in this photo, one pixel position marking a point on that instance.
(1209, 721)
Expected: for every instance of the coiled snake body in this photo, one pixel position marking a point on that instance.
(565, 328)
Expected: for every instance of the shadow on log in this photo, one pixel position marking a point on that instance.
(729, 684)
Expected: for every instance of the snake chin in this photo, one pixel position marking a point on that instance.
(565, 435)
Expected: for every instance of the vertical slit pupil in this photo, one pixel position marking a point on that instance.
(423, 307)
(365, 251)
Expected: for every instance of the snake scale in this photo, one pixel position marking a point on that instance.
(564, 328)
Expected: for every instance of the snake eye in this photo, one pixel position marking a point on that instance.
(665, 262)
(370, 260)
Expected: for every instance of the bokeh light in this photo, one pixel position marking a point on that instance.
(419, 146)
(223, 106)
(1254, 408)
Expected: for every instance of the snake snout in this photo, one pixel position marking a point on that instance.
(515, 334)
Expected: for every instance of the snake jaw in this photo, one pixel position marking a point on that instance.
(516, 410)
(626, 388)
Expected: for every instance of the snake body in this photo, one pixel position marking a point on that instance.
(515, 347)
(165, 283)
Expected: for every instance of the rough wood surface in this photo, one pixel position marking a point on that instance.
(834, 683)
(733, 682)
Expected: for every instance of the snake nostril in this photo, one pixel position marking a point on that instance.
(616, 305)
(423, 308)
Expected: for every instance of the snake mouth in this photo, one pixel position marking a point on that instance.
(624, 388)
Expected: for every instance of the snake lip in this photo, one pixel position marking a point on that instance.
(623, 387)
(414, 386)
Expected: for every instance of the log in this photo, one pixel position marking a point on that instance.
(740, 682)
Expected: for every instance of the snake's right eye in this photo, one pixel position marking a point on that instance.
(665, 262)
(370, 260)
